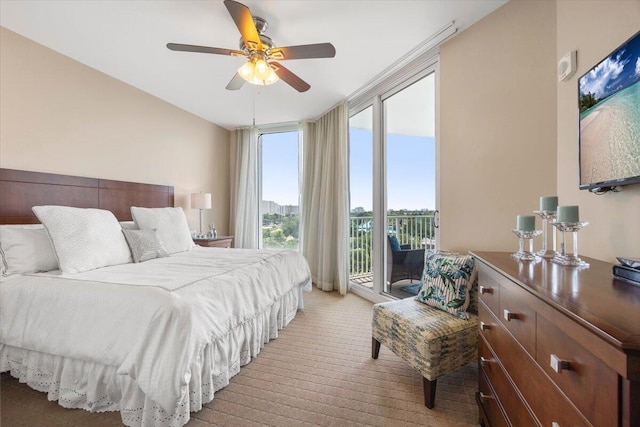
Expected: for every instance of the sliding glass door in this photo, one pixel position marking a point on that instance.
(393, 188)
(410, 152)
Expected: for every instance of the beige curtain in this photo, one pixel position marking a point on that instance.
(245, 221)
(325, 203)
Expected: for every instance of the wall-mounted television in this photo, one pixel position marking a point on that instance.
(609, 137)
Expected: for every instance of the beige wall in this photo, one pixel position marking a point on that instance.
(59, 116)
(497, 125)
(594, 29)
(509, 130)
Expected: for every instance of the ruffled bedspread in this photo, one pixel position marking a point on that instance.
(152, 340)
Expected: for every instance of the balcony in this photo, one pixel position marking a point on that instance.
(415, 230)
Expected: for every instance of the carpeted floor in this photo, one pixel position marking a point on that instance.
(319, 372)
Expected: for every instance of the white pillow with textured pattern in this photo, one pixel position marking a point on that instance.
(171, 224)
(144, 244)
(128, 225)
(25, 250)
(84, 239)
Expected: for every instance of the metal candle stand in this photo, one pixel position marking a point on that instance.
(564, 258)
(526, 254)
(547, 217)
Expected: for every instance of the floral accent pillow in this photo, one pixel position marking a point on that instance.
(447, 277)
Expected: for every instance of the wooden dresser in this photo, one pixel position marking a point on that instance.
(558, 346)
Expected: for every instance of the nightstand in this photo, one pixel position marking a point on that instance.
(218, 242)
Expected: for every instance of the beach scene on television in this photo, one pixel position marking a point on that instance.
(609, 97)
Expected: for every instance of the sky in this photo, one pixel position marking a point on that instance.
(280, 168)
(618, 70)
(410, 170)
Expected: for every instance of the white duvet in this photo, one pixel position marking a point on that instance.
(150, 319)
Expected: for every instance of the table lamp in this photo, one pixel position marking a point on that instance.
(201, 201)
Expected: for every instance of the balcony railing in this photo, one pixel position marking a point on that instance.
(414, 230)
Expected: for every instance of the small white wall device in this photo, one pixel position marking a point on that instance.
(567, 66)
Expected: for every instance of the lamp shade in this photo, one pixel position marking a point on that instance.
(258, 72)
(200, 200)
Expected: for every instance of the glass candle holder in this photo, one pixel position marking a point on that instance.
(564, 257)
(525, 245)
(546, 251)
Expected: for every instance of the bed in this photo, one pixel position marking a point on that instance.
(155, 339)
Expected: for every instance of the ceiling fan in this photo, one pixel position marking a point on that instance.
(262, 67)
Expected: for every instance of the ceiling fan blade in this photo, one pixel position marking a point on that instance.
(235, 83)
(244, 21)
(289, 78)
(319, 50)
(203, 49)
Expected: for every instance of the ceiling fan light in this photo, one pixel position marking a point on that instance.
(258, 72)
(271, 78)
(247, 71)
(262, 69)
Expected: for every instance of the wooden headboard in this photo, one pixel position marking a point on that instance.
(20, 190)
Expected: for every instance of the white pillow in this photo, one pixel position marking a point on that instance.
(84, 239)
(25, 250)
(171, 224)
(11, 226)
(144, 245)
(128, 225)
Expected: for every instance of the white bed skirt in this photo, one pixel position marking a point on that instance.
(97, 388)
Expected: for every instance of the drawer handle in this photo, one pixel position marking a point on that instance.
(559, 365)
(484, 361)
(486, 290)
(485, 396)
(484, 326)
(509, 316)
(555, 424)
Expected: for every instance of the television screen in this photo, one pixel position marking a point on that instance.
(609, 101)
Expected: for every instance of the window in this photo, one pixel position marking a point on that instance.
(280, 191)
(361, 197)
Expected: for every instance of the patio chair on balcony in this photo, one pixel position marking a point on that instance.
(403, 262)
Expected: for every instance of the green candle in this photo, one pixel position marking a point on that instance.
(549, 203)
(526, 222)
(568, 214)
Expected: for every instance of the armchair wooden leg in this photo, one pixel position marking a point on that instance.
(429, 392)
(375, 348)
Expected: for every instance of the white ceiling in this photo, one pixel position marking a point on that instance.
(127, 40)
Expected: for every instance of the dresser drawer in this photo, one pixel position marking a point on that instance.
(516, 411)
(589, 383)
(487, 324)
(542, 396)
(490, 404)
(489, 289)
(517, 315)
